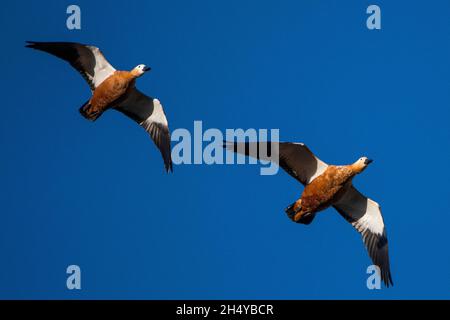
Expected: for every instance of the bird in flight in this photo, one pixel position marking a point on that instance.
(325, 186)
(113, 89)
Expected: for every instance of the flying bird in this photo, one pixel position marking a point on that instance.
(325, 186)
(113, 89)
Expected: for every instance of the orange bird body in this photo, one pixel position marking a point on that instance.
(113, 89)
(109, 93)
(325, 190)
(325, 186)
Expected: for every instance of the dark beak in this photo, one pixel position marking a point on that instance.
(368, 161)
(147, 69)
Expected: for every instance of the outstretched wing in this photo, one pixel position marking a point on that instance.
(87, 60)
(149, 114)
(365, 216)
(295, 158)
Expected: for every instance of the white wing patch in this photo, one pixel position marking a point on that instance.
(102, 69)
(365, 216)
(298, 160)
(157, 116)
(372, 220)
(295, 158)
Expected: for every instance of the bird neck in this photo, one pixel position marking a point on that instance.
(135, 73)
(357, 168)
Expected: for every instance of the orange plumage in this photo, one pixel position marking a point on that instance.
(109, 93)
(325, 190)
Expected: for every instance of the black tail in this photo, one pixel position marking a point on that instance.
(306, 219)
(84, 110)
(290, 211)
(87, 112)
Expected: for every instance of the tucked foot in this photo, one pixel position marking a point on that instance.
(305, 218)
(89, 112)
(292, 210)
(298, 215)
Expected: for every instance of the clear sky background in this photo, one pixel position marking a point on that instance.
(96, 195)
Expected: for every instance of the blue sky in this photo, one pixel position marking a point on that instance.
(95, 195)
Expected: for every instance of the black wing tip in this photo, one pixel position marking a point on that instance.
(387, 279)
(230, 145)
(36, 44)
(39, 44)
(168, 167)
(31, 44)
(233, 145)
(385, 267)
(390, 279)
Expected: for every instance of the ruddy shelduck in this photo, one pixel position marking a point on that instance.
(325, 186)
(113, 89)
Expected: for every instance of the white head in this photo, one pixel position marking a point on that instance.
(362, 163)
(139, 70)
